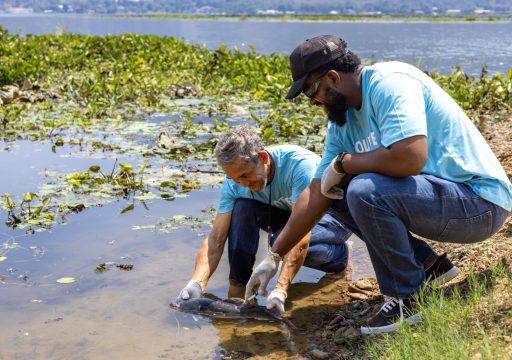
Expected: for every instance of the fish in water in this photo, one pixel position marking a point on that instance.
(229, 308)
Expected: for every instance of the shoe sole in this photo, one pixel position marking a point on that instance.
(447, 276)
(411, 320)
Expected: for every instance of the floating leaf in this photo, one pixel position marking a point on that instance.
(167, 184)
(66, 280)
(125, 267)
(2, 258)
(128, 208)
(179, 218)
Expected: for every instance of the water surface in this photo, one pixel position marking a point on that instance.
(434, 46)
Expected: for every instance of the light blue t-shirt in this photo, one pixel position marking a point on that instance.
(294, 169)
(400, 101)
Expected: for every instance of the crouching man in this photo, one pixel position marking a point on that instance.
(259, 191)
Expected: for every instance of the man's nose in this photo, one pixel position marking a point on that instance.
(243, 182)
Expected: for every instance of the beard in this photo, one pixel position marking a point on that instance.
(337, 108)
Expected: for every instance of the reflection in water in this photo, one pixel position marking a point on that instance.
(307, 304)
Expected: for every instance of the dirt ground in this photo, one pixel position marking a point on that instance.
(335, 331)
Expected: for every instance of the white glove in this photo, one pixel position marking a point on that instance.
(276, 300)
(329, 183)
(262, 274)
(191, 291)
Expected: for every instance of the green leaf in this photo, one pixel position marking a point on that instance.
(126, 167)
(268, 133)
(8, 202)
(94, 168)
(66, 280)
(167, 184)
(28, 197)
(179, 218)
(38, 210)
(128, 208)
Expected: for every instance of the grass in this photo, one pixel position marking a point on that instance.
(470, 320)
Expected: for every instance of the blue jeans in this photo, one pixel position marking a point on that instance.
(385, 211)
(327, 249)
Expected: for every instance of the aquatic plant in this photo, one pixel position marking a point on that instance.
(84, 89)
(101, 77)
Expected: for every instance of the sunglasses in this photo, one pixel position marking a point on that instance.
(312, 90)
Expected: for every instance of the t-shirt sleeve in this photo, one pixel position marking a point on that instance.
(301, 177)
(227, 197)
(333, 146)
(399, 105)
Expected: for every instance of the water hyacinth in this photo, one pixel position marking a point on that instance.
(108, 76)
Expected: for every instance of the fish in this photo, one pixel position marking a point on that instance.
(232, 308)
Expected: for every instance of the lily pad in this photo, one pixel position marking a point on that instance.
(66, 280)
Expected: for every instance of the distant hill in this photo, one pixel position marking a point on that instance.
(258, 7)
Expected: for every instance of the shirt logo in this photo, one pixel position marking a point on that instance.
(367, 144)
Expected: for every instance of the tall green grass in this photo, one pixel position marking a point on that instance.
(461, 322)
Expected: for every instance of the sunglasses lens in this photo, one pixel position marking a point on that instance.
(312, 89)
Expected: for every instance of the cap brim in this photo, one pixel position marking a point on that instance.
(296, 88)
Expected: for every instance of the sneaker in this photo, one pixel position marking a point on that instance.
(391, 315)
(441, 271)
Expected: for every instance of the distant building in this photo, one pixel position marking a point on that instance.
(453, 11)
(19, 10)
(483, 11)
(270, 12)
(371, 13)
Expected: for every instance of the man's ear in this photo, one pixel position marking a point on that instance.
(264, 157)
(334, 77)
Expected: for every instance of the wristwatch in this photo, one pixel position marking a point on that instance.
(339, 162)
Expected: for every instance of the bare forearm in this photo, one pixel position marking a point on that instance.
(208, 256)
(307, 211)
(404, 158)
(207, 260)
(292, 263)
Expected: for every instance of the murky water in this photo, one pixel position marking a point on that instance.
(125, 314)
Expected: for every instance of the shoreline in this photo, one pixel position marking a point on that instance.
(384, 18)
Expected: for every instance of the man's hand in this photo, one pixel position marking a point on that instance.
(262, 274)
(330, 180)
(276, 300)
(191, 291)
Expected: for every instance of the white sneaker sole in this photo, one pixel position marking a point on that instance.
(411, 320)
(447, 276)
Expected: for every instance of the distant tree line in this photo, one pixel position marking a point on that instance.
(253, 7)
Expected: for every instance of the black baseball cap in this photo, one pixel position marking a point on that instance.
(310, 55)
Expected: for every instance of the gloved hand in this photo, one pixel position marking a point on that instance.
(193, 290)
(276, 300)
(329, 183)
(262, 274)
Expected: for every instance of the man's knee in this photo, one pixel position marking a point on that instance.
(363, 188)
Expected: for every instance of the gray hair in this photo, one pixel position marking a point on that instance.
(240, 143)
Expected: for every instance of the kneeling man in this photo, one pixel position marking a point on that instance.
(259, 191)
